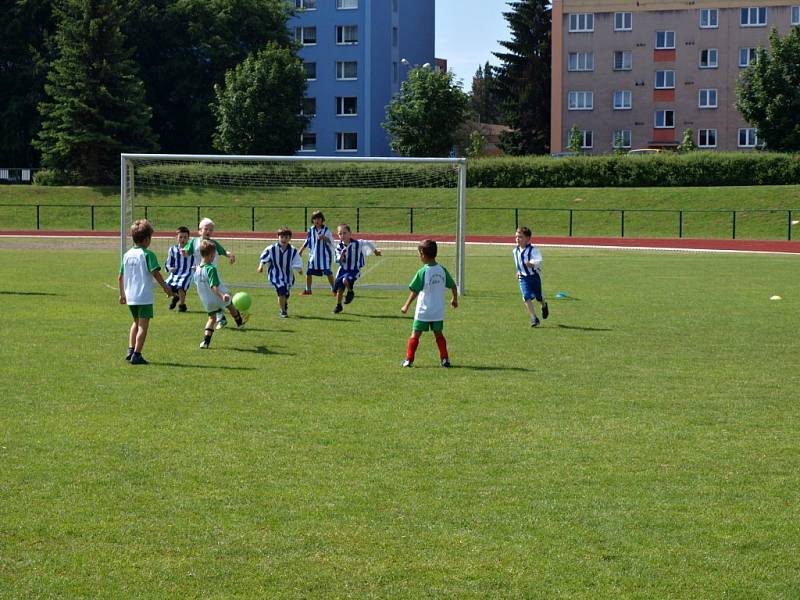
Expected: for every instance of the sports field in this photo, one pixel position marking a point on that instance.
(642, 443)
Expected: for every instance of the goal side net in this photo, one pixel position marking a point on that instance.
(394, 202)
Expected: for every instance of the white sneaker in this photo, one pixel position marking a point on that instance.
(222, 322)
(407, 363)
(204, 345)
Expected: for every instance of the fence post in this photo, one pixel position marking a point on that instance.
(252, 218)
(570, 222)
(622, 223)
(680, 223)
(733, 225)
(358, 219)
(411, 219)
(37, 217)
(305, 217)
(92, 211)
(198, 216)
(789, 227)
(516, 218)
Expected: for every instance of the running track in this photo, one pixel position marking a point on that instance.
(757, 246)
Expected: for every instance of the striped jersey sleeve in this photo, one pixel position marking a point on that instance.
(180, 267)
(523, 256)
(320, 253)
(281, 265)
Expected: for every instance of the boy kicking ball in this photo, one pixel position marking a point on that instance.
(528, 260)
(428, 288)
(212, 295)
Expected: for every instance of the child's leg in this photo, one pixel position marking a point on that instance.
(209, 331)
(142, 324)
(308, 283)
(441, 342)
(330, 279)
(282, 303)
(413, 343)
(132, 335)
(531, 309)
(237, 316)
(181, 296)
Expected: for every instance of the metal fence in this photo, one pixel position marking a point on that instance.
(504, 216)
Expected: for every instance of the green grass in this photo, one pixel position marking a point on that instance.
(649, 212)
(641, 444)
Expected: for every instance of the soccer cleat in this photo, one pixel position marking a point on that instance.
(221, 323)
(129, 354)
(348, 297)
(338, 309)
(204, 345)
(182, 308)
(173, 302)
(407, 363)
(138, 359)
(243, 318)
(306, 293)
(446, 363)
(284, 314)
(545, 311)
(535, 322)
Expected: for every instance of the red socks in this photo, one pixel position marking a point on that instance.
(411, 349)
(442, 343)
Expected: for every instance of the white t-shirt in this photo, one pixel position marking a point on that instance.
(430, 283)
(136, 269)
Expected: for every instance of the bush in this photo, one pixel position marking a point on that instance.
(696, 169)
(54, 177)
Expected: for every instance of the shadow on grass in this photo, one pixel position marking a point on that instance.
(312, 318)
(404, 317)
(261, 350)
(578, 328)
(489, 368)
(188, 366)
(261, 329)
(9, 293)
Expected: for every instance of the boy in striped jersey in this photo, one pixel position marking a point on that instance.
(428, 288)
(282, 260)
(212, 295)
(320, 244)
(180, 269)
(351, 257)
(136, 273)
(528, 260)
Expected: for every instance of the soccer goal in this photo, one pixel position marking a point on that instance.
(393, 202)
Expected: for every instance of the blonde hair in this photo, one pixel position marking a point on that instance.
(206, 221)
(207, 248)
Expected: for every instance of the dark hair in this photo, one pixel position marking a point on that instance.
(207, 248)
(428, 248)
(284, 231)
(317, 214)
(183, 229)
(525, 231)
(346, 226)
(141, 230)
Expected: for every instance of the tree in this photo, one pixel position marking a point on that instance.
(575, 143)
(768, 93)
(523, 78)
(619, 143)
(95, 107)
(425, 116)
(483, 97)
(687, 143)
(259, 108)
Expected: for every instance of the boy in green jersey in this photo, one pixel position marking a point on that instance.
(213, 296)
(136, 273)
(428, 288)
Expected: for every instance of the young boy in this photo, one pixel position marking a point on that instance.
(213, 297)
(205, 231)
(350, 256)
(528, 260)
(282, 260)
(136, 273)
(428, 288)
(319, 242)
(180, 269)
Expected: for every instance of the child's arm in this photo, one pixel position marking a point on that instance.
(297, 263)
(412, 295)
(188, 249)
(454, 301)
(372, 247)
(169, 264)
(162, 283)
(122, 299)
(224, 297)
(263, 260)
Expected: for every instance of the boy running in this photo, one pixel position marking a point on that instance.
(282, 261)
(320, 244)
(528, 260)
(351, 257)
(180, 269)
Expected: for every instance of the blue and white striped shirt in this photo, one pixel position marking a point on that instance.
(354, 254)
(183, 265)
(281, 264)
(522, 256)
(320, 252)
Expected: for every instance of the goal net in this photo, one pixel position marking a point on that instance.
(394, 202)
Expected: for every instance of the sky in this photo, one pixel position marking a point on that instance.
(467, 32)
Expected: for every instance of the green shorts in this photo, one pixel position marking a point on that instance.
(141, 311)
(435, 326)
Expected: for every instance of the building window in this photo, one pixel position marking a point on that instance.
(665, 40)
(665, 119)
(347, 34)
(346, 4)
(581, 61)
(309, 107)
(748, 56)
(621, 138)
(311, 70)
(346, 141)
(580, 100)
(708, 58)
(748, 138)
(395, 37)
(623, 60)
(308, 142)
(346, 106)
(395, 71)
(623, 100)
(581, 22)
(707, 138)
(346, 69)
(307, 36)
(709, 18)
(306, 4)
(755, 16)
(707, 98)
(586, 138)
(796, 15)
(623, 21)
(665, 80)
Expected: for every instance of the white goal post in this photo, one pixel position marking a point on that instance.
(415, 196)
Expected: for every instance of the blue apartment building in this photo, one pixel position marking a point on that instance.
(356, 53)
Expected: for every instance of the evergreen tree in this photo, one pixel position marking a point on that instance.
(483, 96)
(95, 108)
(575, 143)
(523, 78)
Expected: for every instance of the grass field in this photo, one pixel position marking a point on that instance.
(649, 212)
(641, 444)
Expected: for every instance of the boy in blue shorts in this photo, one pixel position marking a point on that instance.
(320, 244)
(528, 260)
(180, 269)
(282, 261)
(351, 257)
(136, 273)
(428, 288)
(213, 297)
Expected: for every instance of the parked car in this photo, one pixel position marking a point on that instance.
(563, 154)
(640, 151)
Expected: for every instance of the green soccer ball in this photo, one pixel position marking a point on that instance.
(242, 300)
